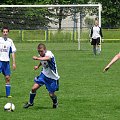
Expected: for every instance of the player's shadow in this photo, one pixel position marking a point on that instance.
(42, 107)
(2, 96)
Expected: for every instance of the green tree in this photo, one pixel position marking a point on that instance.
(110, 13)
(61, 12)
(25, 18)
(41, 17)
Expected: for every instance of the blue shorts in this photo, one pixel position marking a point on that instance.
(51, 84)
(5, 68)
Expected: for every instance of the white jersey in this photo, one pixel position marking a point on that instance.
(96, 32)
(6, 47)
(49, 67)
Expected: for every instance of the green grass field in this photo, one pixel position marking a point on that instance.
(86, 93)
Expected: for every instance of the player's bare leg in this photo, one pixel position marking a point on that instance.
(114, 59)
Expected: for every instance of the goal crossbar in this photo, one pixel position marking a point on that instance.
(77, 5)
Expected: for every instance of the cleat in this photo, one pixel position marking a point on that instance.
(55, 105)
(9, 96)
(27, 105)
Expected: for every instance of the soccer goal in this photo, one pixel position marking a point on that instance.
(50, 23)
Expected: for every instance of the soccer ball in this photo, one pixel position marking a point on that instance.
(10, 107)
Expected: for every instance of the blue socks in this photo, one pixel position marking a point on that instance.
(54, 99)
(7, 87)
(32, 96)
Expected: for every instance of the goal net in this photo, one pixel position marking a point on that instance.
(68, 24)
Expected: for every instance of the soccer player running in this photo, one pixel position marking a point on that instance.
(48, 76)
(114, 59)
(96, 34)
(6, 47)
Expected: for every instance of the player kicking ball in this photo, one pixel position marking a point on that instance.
(114, 59)
(48, 76)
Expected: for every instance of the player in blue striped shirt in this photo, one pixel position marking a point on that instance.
(48, 76)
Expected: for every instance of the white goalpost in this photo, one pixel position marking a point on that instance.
(72, 18)
(99, 18)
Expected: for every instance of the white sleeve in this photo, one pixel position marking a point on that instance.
(13, 47)
(49, 53)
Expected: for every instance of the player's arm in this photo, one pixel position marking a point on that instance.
(37, 66)
(90, 35)
(112, 61)
(101, 32)
(46, 58)
(12, 51)
(13, 61)
(102, 40)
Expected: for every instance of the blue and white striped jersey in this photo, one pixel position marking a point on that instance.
(49, 67)
(6, 47)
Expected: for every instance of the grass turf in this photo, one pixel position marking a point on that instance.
(86, 93)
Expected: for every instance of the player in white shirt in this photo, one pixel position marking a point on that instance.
(96, 34)
(48, 76)
(7, 47)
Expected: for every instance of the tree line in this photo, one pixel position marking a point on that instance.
(110, 12)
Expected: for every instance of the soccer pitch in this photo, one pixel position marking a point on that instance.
(85, 93)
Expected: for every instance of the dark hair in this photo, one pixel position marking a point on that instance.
(5, 27)
(41, 45)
